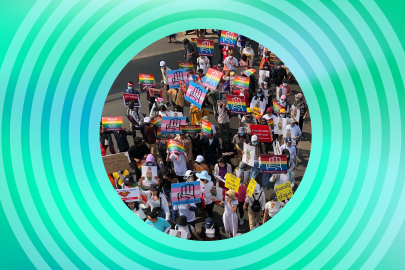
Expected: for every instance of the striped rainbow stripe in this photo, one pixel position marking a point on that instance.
(157, 120)
(273, 163)
(206, 127)
(205, 47)
(190, 128)
(277, 107)
(228, 38)
(241, 82)
(112, 123)
(270, 123)
(236, 104)
(146, 79)
(186, 65)
(185, 193)
(212, 78)
(175, 146)
(249, 72)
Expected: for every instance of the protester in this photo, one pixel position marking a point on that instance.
(212, 150)
(240, 42)
(189, 176)
(301, 105)
(157, 222)
(130, 89)
(206, 182)
(221, 169)
(266, 61)
(177, 98)
(248, 119)
(149, 133)
(166, 177)
(279, 179)
(228, 151)
(259, 97)
(241, 195)
(259, 147)
(137, 153)
(256, 205)
(203, 63)
(292, 150)
(179, 163)
(136, 114)
(230, 62)
(223, 119)
(249, 51)
(287, 88)
(278, 75)
(244, 63)
(230, 218)
(199, 166)
(239, 139)
(241, 92)
(296, 130)
(136, 209)
(106, 140)
(197, 146)
(164, 69)
(157, 201)
(190, 52)
(210, 231)
(121, 139)
(272, 207)
(187, 210)
(182, 225)
(188, 147)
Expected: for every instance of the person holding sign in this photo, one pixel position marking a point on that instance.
(272, 208)
(230, 218)
(231, 62)
(210, 231)
(130, 89)
(291, 148)
(221, 169)
(279, 179)
(157, 201)
(294, 130)
(187, 210)
(256, 205)
(206, 184)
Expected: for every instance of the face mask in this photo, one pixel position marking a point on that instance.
(247, 116)
(241, 134)
(282, 101)
(259, 95)
(254, 143)
(282, 115)
(285, 84)
(296, 100)
(149, 164)
(230, 57)
(266, 67)
(267, 56)
(129, 87)
(292, 125)
(247, 46)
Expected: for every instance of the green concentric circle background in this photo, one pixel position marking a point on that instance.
(59, 60)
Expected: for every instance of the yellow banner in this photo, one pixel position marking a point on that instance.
(251, 187)
(232, 182)
(283, 191)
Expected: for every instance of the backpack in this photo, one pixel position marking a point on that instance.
(256, 207)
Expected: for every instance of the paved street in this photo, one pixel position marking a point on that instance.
(148, 60)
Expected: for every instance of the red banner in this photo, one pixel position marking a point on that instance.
(262, 132)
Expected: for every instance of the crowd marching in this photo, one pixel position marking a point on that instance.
(218, 157)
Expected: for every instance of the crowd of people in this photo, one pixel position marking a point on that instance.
(208, 158)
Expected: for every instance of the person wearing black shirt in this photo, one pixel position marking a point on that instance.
(228, 151)
(137, 153)
(197, 146)
(121, 138)
(278, 75)
(212, 150)
(166, 177)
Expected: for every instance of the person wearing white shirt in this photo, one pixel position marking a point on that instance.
(204, 63)
(187, 210)
(180, 165)
(182, 225)
(272, 208)
(279, 179)
(135, 207)
(269, 115)
(231, 62)
(156, 199)
(256, 206)
(293, 152)
(230, 218)
(293, 130)
(249, 51)
(206, 184)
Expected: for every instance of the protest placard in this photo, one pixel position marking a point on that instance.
(175, 147)
(205, 47)
(232, 182)
(194, 42)
(288, 131)
(277, 106)
(263, 132)
(146, 79)
(228, 38)
(176, 114)
(116, 162)
(149, 172)
(212, 78)
(178, 234)
(160, 136)
(195, 94)
(248, 154)
(171, 125)
(175, 76)
(243, 175)
(157, 120)
(183, 87)
(186, 65)
(283, 191)
(249, 72)
(206, 127)
(185, 193)
(131, 98)
(274, 164)
(214, 193)
(157, 93)
(280, 92)
(112, 123)
(251, 187)
(263, 74)
(129, 194)
(241, 82)
(295, 113)
(190, 129)
(280, 125)
(276, 147)
(140, 164)
(236, 104)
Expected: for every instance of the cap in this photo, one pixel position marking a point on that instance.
(241, 130)
(188, 174)
(273, 197)
(254, 138)
(146, 120)
(128, 180)
(257, 189)
(260, 91)
(162, 63)
(288, 140)
(203, 175)
(182, 220)
(130, 84)
(292, 120)
(249, 110)
(299, 95)
(130, 104)
(154, 187)
(232, 73)
(206, 118)
(208, 223)
(283, 97)
(199, 158)
(282, 111)
(269, 109)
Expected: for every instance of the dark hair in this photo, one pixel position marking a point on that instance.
(221, 160)
(266, 64)
(130, 82)
(186, 41)
(153, 215)
(162, 108)
(287, 152)
(267, 79)
(244, 57)
(136, 207)
(200, 70)
(137, 140)
(267, 53)
(226, 141)
(285, 80)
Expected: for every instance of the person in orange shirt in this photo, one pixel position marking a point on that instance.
(199, 166)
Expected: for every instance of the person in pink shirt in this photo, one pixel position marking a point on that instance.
(241, 195)
(241, 92)
(287, 87)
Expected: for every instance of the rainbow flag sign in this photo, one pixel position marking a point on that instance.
(157, 120)
(274, 164)
(183, 87)
(195, 94)
(186, 65)
(185, 193)
(277, 107)
(190, 129)
(159, 135)
(146, 79)
(140, 164)
(194, 42)
(175, 76)
(241, 82)
(205, 47)
(212, 78)
(112, 123)
(171, 124)
(270, 123)
(206, 127)
(175, 147)
(276, 61)
(236, 104)
(228, 38)
(249, 72)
